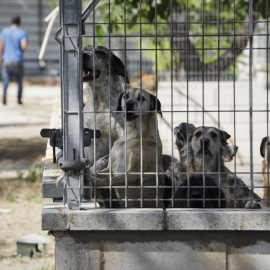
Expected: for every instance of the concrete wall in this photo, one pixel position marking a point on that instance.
(93, 238)
(136, 250)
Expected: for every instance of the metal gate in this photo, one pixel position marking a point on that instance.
(117, 149)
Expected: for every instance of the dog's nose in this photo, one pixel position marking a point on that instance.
(205, 143)
(129, 105)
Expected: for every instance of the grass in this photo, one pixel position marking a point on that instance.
(22, 196)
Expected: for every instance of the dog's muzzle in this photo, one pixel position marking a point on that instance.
(89, 74)
(132, 115)
(204, 146)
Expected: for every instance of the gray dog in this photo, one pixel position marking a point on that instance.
(103, 71)
(204, 153)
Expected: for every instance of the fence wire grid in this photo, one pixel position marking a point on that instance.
(197, 135)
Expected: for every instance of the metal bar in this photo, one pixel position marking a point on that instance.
(141, 138)
(203, 120)
(267, 95)
(71, 70)
(251, 93)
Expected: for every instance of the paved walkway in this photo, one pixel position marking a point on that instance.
(20, 126)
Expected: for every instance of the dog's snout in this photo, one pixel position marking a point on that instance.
(205, 142)
(129, 105)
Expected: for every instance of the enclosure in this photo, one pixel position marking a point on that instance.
(123, 195)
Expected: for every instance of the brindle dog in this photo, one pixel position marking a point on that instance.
(203, 152)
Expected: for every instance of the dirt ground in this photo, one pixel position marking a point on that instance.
(21, 151)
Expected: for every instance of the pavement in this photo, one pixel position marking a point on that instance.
(20, 125)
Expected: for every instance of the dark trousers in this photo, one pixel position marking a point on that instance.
(9, 69)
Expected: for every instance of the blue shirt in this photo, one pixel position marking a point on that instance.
(12, 37)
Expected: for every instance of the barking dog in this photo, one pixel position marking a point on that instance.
(204, 152)
(192, 190)
(135, 153)
(103, 71)
(265, 153)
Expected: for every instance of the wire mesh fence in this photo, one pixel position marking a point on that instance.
(175, 98)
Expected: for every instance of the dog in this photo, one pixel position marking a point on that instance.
(141, 134)
(204, 152)
(149, 82)
(205, 143)
(193, 191)
(103, 71)
(181, 134)
(265, 153)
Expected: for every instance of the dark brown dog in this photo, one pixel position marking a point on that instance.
(193, 191)
(265, 153)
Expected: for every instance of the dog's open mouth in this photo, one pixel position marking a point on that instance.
(89, 74)
(131, 116)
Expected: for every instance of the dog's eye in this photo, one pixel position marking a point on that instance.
(101, 53)
(140, 98)
(198, 134)
(213, 134)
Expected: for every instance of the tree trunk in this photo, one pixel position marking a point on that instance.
(190, 59)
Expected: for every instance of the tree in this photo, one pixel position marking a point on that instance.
(205, 34)
(197, 35)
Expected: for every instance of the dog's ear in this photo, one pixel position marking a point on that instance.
(153, 101)
(119, 106)
(190, 133)
(184, 129)
(119, 67)
(262, 148)
(224, 136)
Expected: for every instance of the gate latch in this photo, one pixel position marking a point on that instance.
(56, 138)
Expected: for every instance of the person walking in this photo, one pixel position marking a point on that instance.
(13, 43)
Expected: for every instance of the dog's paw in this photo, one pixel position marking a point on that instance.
(252, 205)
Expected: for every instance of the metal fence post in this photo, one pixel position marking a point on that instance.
(71, 84)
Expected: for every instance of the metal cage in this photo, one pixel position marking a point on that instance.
(208, 65)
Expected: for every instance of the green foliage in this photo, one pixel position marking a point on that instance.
(53, 3)
(210, 24)
(215, 21)
(34, 173)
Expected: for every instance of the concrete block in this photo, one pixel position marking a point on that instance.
(255, 257)
(164, 255)
(56, 217)
(210, 219)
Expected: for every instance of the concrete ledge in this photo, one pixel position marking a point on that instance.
(213, 219)
(50, 174)
(56, 217)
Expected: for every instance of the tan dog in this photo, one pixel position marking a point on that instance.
(265, 153)
(127, 160)
(149, 82)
